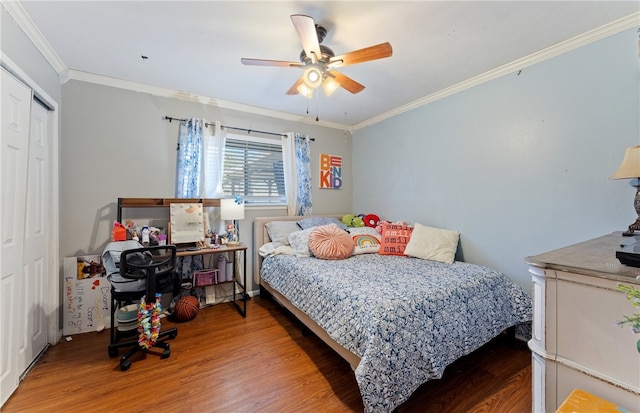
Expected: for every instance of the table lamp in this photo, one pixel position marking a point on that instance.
(232, 210)
(630, 169)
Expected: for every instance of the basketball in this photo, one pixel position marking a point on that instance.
(186, 308)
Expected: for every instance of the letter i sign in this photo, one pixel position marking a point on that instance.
(330, 171)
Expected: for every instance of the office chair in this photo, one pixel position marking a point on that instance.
(150, 272)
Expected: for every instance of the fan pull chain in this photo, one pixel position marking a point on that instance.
(317, 119)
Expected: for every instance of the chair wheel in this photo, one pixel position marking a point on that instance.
(166, 353)
(113, 352)
(124, 365)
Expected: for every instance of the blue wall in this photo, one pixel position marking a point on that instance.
(519, 165)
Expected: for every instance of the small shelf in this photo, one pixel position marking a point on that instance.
(162, 202)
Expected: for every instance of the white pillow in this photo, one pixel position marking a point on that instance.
(433, 244)
(279, 231)
(366, 240)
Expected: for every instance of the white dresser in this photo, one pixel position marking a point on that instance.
(575, 342)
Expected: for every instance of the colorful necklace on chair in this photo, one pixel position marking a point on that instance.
(149, 322)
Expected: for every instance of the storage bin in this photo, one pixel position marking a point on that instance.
(202, 278)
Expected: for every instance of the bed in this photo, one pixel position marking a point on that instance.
(398, 320)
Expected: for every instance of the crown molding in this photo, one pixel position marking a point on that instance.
(15, 9)
(71, 74)
(625, 23)
(17, 12)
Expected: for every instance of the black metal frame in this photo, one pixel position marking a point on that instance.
(236, 283)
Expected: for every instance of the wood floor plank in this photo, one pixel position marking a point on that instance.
(222, 362)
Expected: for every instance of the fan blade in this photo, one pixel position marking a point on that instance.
(293, 90)
(264, 62)
(378, 51)
(346, 82)
(306, 29)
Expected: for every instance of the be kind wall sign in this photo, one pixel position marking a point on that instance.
(330, 171)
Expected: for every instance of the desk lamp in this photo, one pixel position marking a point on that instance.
(232, 210)
(630, 169)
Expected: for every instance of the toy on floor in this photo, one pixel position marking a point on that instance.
(186, 308)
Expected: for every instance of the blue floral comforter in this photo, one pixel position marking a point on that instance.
(406, 318)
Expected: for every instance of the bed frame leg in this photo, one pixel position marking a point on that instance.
(514, 342)
(264, 293)
(306, 331)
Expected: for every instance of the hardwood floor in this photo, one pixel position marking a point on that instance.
(221, 362)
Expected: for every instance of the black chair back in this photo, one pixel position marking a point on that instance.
(156, 264)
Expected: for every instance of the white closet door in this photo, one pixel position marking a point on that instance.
(14, 131)
(36, 232)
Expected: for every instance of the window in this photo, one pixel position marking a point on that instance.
(253, 169)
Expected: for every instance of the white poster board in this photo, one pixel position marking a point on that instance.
(87, 297)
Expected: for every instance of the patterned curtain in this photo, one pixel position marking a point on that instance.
(296, 153)
(189, 159)
(188, 179)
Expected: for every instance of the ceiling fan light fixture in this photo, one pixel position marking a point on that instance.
(312, 76)
(330, 85)
(305, 90)
(319, 62)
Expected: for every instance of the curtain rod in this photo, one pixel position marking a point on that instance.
(169, 118)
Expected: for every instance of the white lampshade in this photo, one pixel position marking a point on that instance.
(305, 91)
(230, 210)
(312, 76)
(330, 85)
(630, 166)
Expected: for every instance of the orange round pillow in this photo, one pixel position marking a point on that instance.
(329, 242)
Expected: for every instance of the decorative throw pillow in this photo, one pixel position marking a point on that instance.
(366, 240)
(318, 221)
(329, 242)
(394, 238)
(279, 231)
(433, 244)
(299, 241)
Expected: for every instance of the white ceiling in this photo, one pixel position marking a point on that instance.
(195, 46)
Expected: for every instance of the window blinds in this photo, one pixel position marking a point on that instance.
(254, 171)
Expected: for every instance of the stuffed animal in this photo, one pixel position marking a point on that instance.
(348, 219)
(379, 226)
(361, 220)
(371, 220)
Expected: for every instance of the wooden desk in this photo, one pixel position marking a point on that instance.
(242, 286)
(206, 202)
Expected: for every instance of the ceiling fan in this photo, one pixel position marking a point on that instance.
(319, 61)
